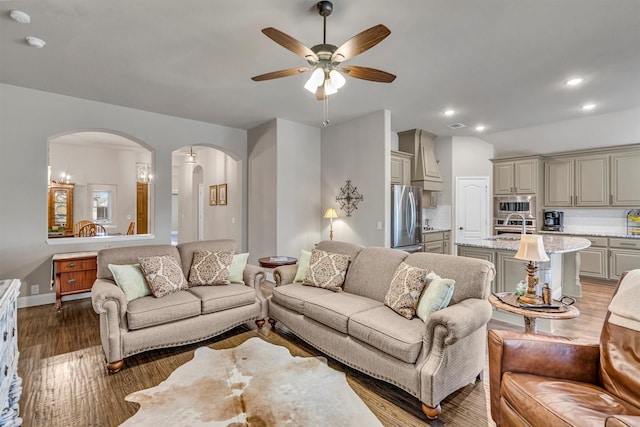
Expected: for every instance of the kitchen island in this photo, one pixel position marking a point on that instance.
(561, 271)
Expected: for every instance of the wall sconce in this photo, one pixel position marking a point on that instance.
(531, 249)
(143, 172)
(331, 214)
(191, 157)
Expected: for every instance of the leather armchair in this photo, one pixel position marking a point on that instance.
(538, 380)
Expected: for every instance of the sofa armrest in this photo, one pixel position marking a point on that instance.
(622, 421)
(285, 274)
(253, 276)
(549, 356)
(459, 320)
(104, 290)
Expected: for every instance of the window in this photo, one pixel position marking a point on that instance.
(102, 203)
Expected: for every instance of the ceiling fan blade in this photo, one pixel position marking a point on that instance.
(290, 43)
(366, 73)
(280, 73)
(360, 42)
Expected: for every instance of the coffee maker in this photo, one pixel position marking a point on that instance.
(553, 221)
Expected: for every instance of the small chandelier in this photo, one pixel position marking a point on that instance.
(324, 80)
(191, 157)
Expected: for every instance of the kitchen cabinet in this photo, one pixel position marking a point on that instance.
(425, 172)
(597, 179)
(400, 168)
(624, 255)
(430, 199)
(437, 242)
(594, 260)
(73, 273)
(515, 176)
(61, 207)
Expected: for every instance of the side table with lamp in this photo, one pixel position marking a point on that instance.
(530, 305)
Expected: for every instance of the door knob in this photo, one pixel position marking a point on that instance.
(461, 228)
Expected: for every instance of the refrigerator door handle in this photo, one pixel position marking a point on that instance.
(412, 210)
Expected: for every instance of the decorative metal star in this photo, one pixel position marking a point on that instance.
(349, 198)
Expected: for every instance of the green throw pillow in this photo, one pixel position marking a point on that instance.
(303, 266)
(236, 269)
(436, 295)
(131, 280)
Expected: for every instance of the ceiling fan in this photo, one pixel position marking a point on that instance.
(326, 60)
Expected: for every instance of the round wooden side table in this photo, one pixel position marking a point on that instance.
(276, 261)
(530, 316)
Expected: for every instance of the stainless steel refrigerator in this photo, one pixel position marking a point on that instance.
(406, 218)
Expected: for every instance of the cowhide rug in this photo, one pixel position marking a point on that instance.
(254, 384)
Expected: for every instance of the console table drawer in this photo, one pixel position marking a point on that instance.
(76, 265)
(79, 281)
(73, 273)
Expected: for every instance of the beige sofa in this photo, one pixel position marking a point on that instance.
(186, 316)
(430, 360)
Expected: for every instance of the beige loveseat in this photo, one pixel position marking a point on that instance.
(183, 317)
(428, 360)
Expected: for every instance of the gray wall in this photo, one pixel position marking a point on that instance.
(359, 150)
(28, 118)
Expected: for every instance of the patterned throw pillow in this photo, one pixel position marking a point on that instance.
(327, 270)
(210, 268)
(436, 296)
(163, 274)
(406, 287)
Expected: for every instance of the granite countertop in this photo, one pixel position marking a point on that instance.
(434, 230)
(592, 233)
(553, 244)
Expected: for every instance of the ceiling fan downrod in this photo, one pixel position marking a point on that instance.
(324, 9)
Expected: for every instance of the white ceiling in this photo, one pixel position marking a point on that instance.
(498, 62)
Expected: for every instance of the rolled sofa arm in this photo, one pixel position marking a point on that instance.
(105, 290)
(459, 320)
(253, 276)
(623, 421)
(285, 274)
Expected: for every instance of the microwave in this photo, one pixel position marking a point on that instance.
(523, 205)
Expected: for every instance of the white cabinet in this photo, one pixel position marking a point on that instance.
(515, 176)
(593, 180)
(625, 179)
(400, 168)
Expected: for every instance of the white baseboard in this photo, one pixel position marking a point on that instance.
(44, 299)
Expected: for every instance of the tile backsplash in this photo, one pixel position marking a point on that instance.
(595, 220)
(439, 217)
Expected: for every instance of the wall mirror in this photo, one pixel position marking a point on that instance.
(99, 178)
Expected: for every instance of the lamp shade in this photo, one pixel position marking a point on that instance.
(531, 248)
(331, 213)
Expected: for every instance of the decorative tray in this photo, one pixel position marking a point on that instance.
(512, 299)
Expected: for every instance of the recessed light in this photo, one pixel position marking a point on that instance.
(480, 128)
(449, 112)
(574, 82)
(36, 42)
(20, 16)
(588, 106)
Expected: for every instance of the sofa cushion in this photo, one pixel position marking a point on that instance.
(210, 268)
(370, 274)
(394, 335)
(236, 269)
(219, 298)
(335, 309)
(326, 270)
(543, 401)
(405, 290)
(163, 274)
(435, 296)
(293, 296)
(130, 279)
(150, 311)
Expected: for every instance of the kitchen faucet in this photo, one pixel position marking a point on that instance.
(524, 221)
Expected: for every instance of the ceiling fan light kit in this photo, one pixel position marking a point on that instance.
(325, 60)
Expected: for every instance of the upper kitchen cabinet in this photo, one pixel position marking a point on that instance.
(597, 179)
(512, 176)
(425, 172)
(400, 168)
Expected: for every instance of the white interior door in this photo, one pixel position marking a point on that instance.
(472, 208)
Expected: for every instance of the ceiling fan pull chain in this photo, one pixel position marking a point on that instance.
(325, 122)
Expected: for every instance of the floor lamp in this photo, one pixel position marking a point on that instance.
(331, 214)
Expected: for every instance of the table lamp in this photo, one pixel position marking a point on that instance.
(531, 249)
(331, 214)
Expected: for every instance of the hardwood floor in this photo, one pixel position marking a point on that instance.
(65, 382)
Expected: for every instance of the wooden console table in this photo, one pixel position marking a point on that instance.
(73, 273)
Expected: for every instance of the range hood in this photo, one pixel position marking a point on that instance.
(425, 172)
